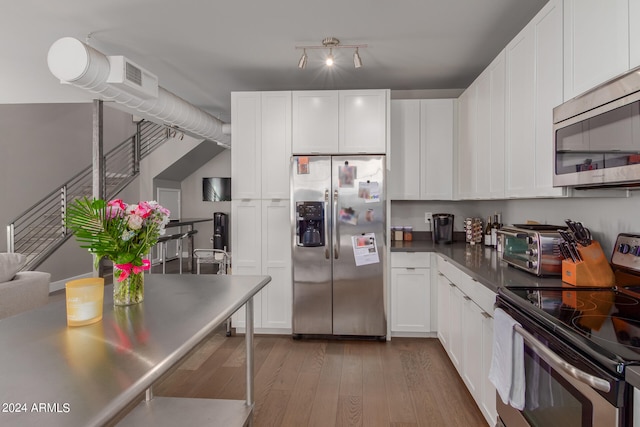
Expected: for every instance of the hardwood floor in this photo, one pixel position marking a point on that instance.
(405, 382)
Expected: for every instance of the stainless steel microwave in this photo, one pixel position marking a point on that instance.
(597, 136)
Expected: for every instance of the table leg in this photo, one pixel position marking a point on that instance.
(249, 343)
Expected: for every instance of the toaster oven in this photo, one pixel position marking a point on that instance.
(533, 248)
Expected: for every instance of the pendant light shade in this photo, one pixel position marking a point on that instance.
(357, 62)
(303, 60)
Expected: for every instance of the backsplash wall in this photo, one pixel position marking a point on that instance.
(605, 217)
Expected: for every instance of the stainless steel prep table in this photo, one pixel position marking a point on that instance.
(55, 375)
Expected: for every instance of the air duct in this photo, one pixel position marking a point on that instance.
(76, 63)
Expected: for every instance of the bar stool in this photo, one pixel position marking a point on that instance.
(188, 235)
(214, 256)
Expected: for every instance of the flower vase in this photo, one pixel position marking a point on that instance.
(129, 290)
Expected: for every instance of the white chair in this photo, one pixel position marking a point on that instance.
(212, 256)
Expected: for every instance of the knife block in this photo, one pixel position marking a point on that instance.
(594, 269)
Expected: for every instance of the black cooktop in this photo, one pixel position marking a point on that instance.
(606, 318)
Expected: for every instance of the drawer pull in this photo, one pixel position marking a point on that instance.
(486, 315)
(467, 298)
(452, 285)
(410, 268)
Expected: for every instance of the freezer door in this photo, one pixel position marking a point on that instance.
(358, 204)
(312, 292)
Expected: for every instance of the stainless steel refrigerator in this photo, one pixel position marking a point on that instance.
(338, 251)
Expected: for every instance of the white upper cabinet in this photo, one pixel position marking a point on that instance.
(404, 180)
(596, 42)
(346, 122)
(261, 140)
(466, 144)
(634, 33)
(276, 144)
(246, 138)
(422, 139)
(436, 155)
(490, 128)
(315, 122)
(362, 122)
(533, 88)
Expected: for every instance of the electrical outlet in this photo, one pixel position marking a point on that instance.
(427, 217)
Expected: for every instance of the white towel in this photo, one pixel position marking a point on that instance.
(507, 363)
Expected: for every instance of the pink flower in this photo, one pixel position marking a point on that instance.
(115, 208)
(143, 209)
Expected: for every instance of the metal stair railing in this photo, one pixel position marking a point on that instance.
(40, 230)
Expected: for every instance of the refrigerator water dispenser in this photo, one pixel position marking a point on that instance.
(310, 224)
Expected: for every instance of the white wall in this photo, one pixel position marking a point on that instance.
(605, 217)
(42, 146)
(192, 204)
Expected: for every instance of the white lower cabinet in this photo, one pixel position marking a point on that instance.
(410, 294)
(465, 329)
(259, 247)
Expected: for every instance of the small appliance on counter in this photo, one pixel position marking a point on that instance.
(534, 248)
(442, 228)
(220, 231)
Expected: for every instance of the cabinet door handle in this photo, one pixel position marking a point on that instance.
(410, 268)
(452, 285)
(486, 315)
(440, 274)
(466, 298)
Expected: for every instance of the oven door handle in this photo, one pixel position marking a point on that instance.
(558, 363)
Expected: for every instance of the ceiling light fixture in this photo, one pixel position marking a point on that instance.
(331, 43)
(303, 60)
(357, 62)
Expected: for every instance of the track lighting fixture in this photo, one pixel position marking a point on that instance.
(357, 62)
(303, 60)
(331, 43)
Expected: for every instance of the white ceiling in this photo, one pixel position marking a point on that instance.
(203, 50)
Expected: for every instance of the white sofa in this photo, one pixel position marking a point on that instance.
(20, 291)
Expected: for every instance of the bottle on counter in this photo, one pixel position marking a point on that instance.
(494, 230)
(498, 239)
(487, 233)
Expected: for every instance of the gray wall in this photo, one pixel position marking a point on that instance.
(42, 146)
(192, 204)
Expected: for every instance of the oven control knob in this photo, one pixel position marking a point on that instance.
(635, 251)
(532, 252)
(532, 264)
(624, 248)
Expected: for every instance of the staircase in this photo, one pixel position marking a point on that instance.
(40, 230)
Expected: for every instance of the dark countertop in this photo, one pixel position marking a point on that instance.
(479, 262)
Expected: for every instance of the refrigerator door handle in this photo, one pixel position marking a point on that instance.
(326, 224)
(336, 237)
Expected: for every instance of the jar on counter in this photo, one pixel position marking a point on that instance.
(407, 233)
(397, 233)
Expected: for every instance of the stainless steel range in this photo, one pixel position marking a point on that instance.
(578, 344)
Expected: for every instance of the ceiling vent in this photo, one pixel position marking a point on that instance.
(132, 78)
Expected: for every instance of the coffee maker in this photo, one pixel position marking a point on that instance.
(442, 228)
(220, 231)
